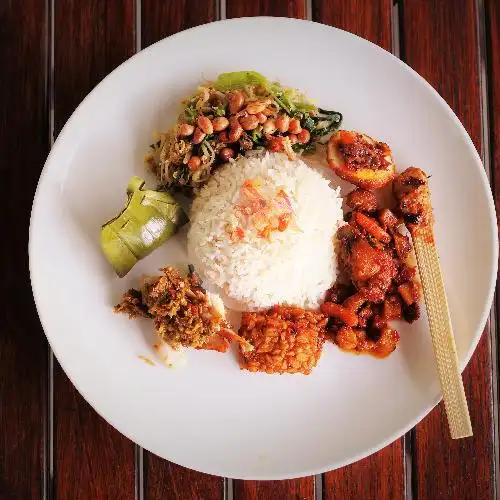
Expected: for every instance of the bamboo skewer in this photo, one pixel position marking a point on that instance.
(443, 341)
(414, 203)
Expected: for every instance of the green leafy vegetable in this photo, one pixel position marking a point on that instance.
(190, 114)
(219, 110)
(238, 79)
(256, 135)
(148, 220)
(286, 99)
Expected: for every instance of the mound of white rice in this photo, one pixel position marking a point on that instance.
(295, 266)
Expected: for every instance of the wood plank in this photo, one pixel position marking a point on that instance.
(92, 459)
(363, 479)
(302, 489)
(298, 488)
(284, 8)
(162, 19)
(492, 47)
(492, 10)
(163, 479)
(24, 147)
(372, 21)
(441, 43)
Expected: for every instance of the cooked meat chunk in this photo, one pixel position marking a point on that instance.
(392, 308)
(410, 292)
(371, 267)
(338, 293)
(363, 200)
(402, 245)
(342, 314)
(387, 219)
(374, 257)
(356, 340)
(411, 313)
(405, 273)
(412, 193)
(371, 227)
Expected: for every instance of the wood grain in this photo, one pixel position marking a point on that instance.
(163, 479)
(296, 489)
(372, 21)
(23, 148)
(167, 480)
(284, 8)
(299, 488)
(92, 460)
(162, 19)
(441, 42)
(364, 479)
(492, 10)
(492, 46)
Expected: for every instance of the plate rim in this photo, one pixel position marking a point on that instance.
(464, 134)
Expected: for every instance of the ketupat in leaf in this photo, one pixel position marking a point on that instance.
(148, 220)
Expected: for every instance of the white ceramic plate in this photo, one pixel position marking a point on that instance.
(211, 416)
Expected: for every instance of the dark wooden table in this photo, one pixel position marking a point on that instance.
(52, 53)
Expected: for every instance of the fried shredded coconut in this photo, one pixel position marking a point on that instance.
(182, 312)
(132, 305)
(285, 339)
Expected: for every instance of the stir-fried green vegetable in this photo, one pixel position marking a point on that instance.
(320, 122)
(238, 79)
(148, 220)
(288, 99)
(240, 111)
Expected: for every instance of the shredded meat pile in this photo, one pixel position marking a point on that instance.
(285, 339)
(181, 312)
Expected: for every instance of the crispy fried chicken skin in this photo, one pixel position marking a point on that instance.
(359, 159)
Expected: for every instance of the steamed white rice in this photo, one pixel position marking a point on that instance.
(292, 267)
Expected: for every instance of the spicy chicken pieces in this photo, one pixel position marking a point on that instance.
(412, 193)
(382, 284)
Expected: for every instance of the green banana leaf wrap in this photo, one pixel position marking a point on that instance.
(148, 220)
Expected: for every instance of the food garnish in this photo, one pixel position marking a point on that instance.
(239, 112)
(148, 220)
(414, 203)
